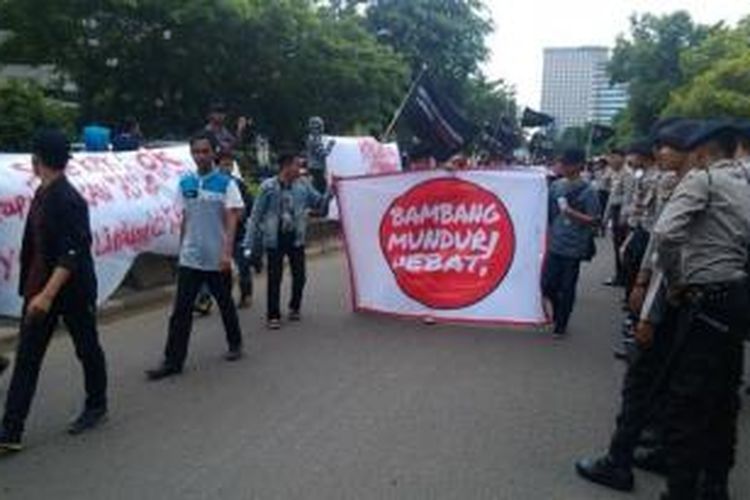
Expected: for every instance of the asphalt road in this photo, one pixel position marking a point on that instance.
(341, 406)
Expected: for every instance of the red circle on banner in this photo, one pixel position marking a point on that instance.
(449, 242)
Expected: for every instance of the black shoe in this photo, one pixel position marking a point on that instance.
(294, 315)
(87, 420)
(162, 371)
(234, 354)
(613, 282)
(605, 472)
(649, 438)
(651, 460)
(203, 306)
(10, 441)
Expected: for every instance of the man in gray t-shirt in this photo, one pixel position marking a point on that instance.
(211, 204)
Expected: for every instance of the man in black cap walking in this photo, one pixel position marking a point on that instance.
(57, 280)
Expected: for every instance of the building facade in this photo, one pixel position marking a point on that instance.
(576, 89)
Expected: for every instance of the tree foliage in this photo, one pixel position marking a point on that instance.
(24, 109)
(649, 61)
(719, 76)
(278, 61)
(166, 60)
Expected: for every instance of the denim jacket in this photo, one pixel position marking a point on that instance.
(263, 224)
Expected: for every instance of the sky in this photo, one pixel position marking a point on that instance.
(523, 28)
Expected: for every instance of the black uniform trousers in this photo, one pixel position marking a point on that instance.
(296, 255)
(619, 234)
(702, 400)
(79, 316)
(189, 283)
(643, 391)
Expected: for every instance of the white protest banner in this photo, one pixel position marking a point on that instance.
(357, 156)
(457, 246)
(132, 202)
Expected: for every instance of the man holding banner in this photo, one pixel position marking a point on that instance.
(573, 216)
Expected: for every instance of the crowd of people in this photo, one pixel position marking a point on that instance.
(678, 206)
(222, 225)
(678, 209)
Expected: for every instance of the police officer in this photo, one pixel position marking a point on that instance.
(621, 187)
(701, 241)
(641, 386)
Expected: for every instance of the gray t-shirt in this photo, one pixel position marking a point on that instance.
(568, 237)
(205, 200)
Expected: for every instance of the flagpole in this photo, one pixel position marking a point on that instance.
(402, 106)
(590, 142)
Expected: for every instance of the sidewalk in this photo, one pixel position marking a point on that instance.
(127, 301)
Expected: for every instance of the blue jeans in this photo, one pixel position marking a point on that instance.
(559, 282)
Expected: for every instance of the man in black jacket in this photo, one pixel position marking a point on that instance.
(57, 280)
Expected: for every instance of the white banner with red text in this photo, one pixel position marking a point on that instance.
(132, 202)
(455, 246)
(358, 156)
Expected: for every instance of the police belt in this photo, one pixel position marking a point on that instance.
(711, 292)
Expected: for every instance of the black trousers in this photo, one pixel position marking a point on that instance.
(296, 256)
(80, 318)
(643, 392)
(702, 400)
(559, 282)
(633, 256)
(619, 234)
(189, 283)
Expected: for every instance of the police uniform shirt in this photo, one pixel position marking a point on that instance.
(642, 210)
(704, 231)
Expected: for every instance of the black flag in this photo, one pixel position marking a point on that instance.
(533, 118)
(436, 121)
(601, 133)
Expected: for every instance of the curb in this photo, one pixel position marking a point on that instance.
(144, 300)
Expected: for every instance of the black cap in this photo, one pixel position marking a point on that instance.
(643, 147)
(52, 148)
(573, 157)
(709, 130)
(218, 107)
(742, 127)
(676, 134)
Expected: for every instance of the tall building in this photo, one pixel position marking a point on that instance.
(576, 88)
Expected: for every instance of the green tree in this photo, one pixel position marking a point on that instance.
(449, 36)
(719, 76)
(649, 62)
(279, 61)
(24, 109)
(722, 91)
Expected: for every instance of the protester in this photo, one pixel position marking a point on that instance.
(216, 125)
(57, 280)
(279, 220)
(212, 205)
(129, 138)
(243, 264)
(642, 390)
(620, 188)
(574, 214)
